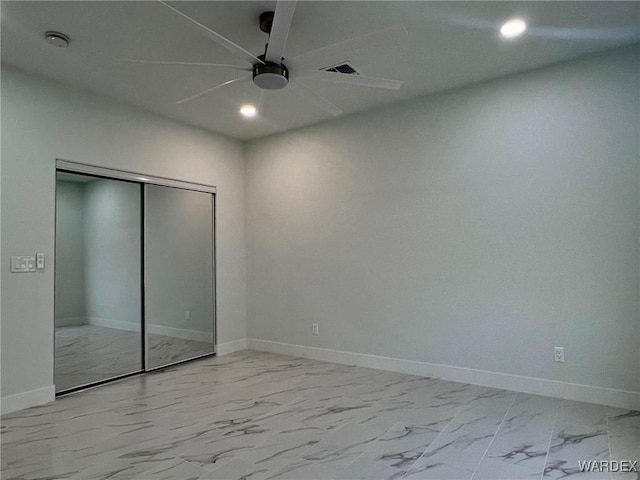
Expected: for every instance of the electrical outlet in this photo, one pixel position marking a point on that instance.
(187, 315)
(314, 329)
(558, 354)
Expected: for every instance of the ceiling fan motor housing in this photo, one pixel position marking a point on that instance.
(270, 75)
(266, 21)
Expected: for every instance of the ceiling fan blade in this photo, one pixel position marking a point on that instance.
(280, 30)
(357, 80)
(216, 37)
(329, 55)
(317, 99)
(235, 80)
(198, 64)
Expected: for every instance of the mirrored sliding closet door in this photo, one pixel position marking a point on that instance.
(98, 280)
(179, 280)
(134, 274)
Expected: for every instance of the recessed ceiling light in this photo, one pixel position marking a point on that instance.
(513, 28)
(56, 39)
(248, 111)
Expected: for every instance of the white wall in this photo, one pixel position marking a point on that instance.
(42, 121)
(70, 281)
(477, 228)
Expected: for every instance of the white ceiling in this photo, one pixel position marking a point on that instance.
(449, 44)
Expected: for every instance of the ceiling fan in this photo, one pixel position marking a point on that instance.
(271, 71)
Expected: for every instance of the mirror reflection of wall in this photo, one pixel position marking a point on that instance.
(98, 279)
(69, 305)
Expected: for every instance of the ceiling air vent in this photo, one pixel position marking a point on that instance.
(345, 67)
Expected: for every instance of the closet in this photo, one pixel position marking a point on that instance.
(134, 274)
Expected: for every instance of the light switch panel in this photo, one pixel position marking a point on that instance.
(40, 261)
(23, 264)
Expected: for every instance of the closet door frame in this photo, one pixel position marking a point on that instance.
(143, 179)
(75, 167)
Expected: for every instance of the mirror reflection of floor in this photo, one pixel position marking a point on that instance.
(88, 353)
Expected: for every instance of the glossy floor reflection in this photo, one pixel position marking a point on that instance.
(253, 415)
(88, 353)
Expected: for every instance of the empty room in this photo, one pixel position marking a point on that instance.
(320, 240)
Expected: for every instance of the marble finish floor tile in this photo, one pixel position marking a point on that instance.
(285, 447)
(578, 413)
(365, 469)
(339, 449)
(302, 470)
(239, 469)
(624, 442)
(571, 444)
(220, 446)
(400, 446)
(519, 448)
(463, 444)
(7, 473)
(256, 416)
(426, 470)
(173, 470)
(621, 418)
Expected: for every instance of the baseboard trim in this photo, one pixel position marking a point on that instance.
(32, 398)
(182, 333)
(70, 321)
(195, 335)
(536, 386)
(230, 347)
(117, 324)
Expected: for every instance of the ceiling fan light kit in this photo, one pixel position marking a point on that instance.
(270, 75)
